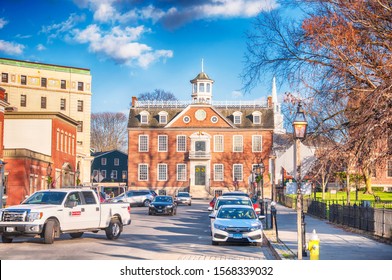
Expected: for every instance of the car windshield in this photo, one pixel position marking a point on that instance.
(183, 195)
(163, 199)
(47, 197)
(232, 201)
(236, 213)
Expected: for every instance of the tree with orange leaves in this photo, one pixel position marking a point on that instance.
(338, 54)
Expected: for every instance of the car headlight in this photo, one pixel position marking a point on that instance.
(169, 206)
(151, 206)
(220, 227)
(254, 228)
(32, 216)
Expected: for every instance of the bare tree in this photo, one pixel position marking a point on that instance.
(157, 94)
(339, 56)
(109, 131)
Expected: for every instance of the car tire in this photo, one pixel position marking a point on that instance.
(49, 232)
(146, 203)
(214, 243)
(149, 213)
(76, 234)
(113, 231)
(190, 203)
(6, 239)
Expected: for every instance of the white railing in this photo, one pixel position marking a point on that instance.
(218, 104)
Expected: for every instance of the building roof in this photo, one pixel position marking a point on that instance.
(267, 116)
(201, 76)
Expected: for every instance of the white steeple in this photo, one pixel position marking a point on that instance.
(278, 117)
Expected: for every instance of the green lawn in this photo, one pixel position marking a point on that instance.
(384, 196)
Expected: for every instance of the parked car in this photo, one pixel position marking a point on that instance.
(136, 197)
(256, 204)
(183, 198)
(228, 200)
(237, 223)
(235, 193)
(163, 204)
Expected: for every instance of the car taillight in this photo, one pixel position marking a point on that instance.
(129, 209)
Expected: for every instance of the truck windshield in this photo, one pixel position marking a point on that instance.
(48, 197)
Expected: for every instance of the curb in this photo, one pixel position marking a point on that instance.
(278, 248)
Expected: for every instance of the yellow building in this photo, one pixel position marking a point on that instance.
(32, 86)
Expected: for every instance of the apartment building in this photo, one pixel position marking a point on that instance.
(39, 87)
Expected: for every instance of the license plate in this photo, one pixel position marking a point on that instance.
(159, 210)
(237, 235)
(9, 229)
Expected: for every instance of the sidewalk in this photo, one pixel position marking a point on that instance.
(335, 242)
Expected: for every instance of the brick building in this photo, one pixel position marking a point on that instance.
(201, 145)
(40, 151)
(40, 87)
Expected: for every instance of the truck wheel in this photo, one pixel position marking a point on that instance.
(76, 234)
(146, 203)
(114, 229)
(6, 239)
(49, 232)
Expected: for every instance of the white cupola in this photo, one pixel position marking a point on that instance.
(202, 87)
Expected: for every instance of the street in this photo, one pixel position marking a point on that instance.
(185, 236)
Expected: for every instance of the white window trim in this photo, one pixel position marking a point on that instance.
(185, 177)
(158, 179)
(386, 175)
(242, 172)
(242, 143)
(253, 143)
(258, 114)
(223, 144)
(223, 172)
(162, 114)
(148, 143)
(237, 114)
(138, 172)
(178, 136)
(146, 114)
(166, 144)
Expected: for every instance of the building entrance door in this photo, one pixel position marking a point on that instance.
(200, 175)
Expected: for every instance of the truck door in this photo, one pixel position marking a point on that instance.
(90, 210)
(73, 217)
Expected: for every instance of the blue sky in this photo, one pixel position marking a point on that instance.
(135, 46)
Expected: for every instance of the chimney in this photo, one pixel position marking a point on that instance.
(134, 99)
(269, 102)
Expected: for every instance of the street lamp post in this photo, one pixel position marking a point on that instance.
(299, 124)
(49, 174)
(259, 171)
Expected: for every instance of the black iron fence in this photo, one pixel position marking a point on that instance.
(365, 216)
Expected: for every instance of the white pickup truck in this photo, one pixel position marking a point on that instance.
(49, 213)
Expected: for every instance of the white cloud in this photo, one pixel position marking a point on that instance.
(56, 30)
(11, 48)
(3, 22)
(120, 44)
(41, 47)
(236, 94)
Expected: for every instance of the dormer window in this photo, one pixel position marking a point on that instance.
(237, 117)
(144, 117)
(256, 117)
(163, 117)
